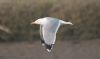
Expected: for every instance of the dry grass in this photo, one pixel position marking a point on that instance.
(18, 14)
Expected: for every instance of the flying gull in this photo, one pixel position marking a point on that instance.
(48, 29)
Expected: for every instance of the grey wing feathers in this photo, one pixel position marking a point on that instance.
(41, 35)
(49, 47)
(49, 33)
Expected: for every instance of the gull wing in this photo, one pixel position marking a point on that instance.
(49, 32)
(49, 35)
(41, 35)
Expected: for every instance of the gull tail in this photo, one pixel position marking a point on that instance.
(64, 22)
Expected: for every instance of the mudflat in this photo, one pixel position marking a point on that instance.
(85, 49)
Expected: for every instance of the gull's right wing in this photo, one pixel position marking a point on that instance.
(41, 35)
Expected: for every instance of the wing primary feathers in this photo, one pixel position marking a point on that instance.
(49, 47)
(43, 43)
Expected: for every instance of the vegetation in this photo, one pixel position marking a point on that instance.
(17, 15)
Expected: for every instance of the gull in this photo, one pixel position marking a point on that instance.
(48, 29)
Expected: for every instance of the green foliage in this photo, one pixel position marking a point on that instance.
(18, 14)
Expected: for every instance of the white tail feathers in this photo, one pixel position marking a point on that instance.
(64, 22)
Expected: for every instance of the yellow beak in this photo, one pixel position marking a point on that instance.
(33, 23)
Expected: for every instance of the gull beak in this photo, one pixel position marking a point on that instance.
(33, 23)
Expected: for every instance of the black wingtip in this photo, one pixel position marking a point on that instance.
(48, 50)
(49, 47)
(43, 43)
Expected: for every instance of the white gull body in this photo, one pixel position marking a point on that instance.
(48, 29)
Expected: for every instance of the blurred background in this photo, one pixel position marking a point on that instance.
(21, 40)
